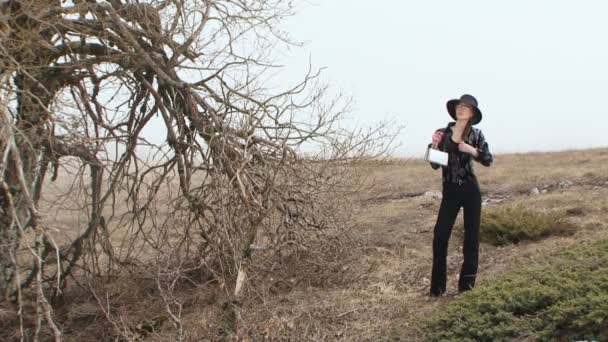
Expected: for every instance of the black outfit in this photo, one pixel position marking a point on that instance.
(460, 189)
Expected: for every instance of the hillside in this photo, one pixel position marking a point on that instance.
(379, 291)
(374, 285)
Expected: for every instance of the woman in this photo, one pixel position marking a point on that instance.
(463, 143)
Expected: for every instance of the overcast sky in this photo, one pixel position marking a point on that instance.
(539, 69)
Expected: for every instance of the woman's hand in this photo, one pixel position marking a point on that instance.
(437, 138)
(466, 148)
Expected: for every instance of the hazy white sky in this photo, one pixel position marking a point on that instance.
(539, 69)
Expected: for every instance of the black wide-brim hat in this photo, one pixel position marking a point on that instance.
(468, 99)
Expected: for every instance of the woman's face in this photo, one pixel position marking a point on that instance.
(464, 111)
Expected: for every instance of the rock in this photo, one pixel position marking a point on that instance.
(425, 205)
(433, 194)
(544, 191)
(496, 200)
(565, 184)
(535, 191)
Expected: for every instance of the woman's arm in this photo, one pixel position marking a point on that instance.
(484, 156)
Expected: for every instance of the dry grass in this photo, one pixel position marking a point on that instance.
(375, 286)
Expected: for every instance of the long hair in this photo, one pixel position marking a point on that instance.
(467, 129)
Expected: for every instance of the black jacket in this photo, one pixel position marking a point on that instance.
(460, 164)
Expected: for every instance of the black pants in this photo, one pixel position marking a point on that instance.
(455, 196)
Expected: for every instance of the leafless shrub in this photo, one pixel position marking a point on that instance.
(244, 167)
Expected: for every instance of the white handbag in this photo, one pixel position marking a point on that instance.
(435, 156)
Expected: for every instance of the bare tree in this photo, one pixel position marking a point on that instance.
(83, 81)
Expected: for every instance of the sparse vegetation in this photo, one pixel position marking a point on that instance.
(564, 298)
(164, 178)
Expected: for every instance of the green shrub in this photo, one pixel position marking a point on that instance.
(513, 224)
(564, 299)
